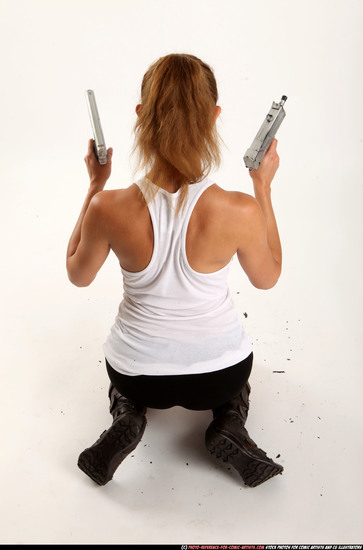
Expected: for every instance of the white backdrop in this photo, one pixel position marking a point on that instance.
(309, 325)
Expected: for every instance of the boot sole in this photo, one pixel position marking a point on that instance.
(253, 469)
(101, 460)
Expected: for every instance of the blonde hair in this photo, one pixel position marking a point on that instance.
(176, 126)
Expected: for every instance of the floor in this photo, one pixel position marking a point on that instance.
(306, 400)
(305, 412)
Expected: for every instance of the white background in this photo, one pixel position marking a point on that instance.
(53, 382)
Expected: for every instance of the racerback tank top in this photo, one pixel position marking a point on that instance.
(174, 320)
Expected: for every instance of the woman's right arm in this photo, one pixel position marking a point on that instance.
(259, 251)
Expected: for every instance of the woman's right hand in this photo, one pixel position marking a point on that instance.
(98, 173)
(265, 173)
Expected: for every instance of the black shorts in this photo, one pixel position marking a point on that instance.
(192, 391)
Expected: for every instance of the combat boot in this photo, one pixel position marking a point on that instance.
(228, 439)
(101, 460)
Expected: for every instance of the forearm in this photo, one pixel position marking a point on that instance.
(98, 175)
(262, 179)
(76, 235)
(263, 197)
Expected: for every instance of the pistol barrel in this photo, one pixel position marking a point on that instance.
(265, 135)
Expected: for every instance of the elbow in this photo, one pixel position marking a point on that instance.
(78, 279)
(80, 283)
(265, 286)
(266, 283)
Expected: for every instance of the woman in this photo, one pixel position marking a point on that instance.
(177, 338)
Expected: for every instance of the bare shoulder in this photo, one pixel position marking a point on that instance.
(112, 201)
(235, 204)
(230, 197)
(109, 196)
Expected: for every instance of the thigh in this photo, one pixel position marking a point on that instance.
(191, 391)
(155, 392)
(210, 390)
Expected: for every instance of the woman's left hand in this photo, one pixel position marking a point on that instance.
(98, 173)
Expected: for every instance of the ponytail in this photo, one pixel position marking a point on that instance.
(176, 123)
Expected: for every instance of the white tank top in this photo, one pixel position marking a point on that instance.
(174, 320)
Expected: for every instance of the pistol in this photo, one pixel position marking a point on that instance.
(100, 146)
(265, 135)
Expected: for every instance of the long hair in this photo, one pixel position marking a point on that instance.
(176, 128)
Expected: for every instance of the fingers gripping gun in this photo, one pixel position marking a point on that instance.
(265, 135)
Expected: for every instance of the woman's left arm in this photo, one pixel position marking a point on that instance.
(88, 246)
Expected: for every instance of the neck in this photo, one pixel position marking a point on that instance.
(165, 178)
(168, 177)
